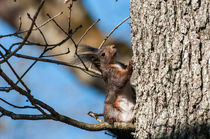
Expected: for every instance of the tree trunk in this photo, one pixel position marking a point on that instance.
(171, 45)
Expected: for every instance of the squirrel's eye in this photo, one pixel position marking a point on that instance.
(103, 54)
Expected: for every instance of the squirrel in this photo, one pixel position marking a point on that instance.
(120, 96)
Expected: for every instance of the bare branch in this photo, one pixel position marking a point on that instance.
(47, 112)
(70, 121)
(106, 38)
(52, 46)
(42, 34)
(69, 17)
(19, 107)
(89, 72)
(67, 52)
(95, 116)
(75, 45)
(55, 115)
(3, 47)
(45, 50)
(34, 29)
(20, 23)
(87, 31)
(5, 89)
(22, 116)
(33, 101)
(50, 19)
(13, 70)
(27, 35)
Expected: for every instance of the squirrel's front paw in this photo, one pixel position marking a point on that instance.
(130, 66)
(111, 121)
(131, 63)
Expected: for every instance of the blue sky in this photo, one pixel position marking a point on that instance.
(57, 86)
(111, 14)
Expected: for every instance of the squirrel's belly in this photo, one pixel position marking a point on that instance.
(127, 110)
(126, 116)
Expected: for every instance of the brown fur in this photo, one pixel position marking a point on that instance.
(120, 99)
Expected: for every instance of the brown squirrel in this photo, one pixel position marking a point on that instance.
(120, 98)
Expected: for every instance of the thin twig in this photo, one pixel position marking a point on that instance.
(28, 90)
(75, 45)
(69, 17)
(13, 70)
(90, 72)
(87, 31)
(50, 19)
(52, 46)
(42, 34)
(5, 89)
(3, 47)
(57, 24)
(68, 51)
(49, 45)
(20, 24)
(106, 38)
(95, 116)
(34, 29)
(45, 50)
(19, 107)
(84, 36)
(33, 101)
(28, 33)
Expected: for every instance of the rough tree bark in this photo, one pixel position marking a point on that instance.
(171, 44)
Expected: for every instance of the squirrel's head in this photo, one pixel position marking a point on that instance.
(99, 57)
(107, 54)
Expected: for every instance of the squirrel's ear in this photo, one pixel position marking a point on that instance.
(87, 48)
